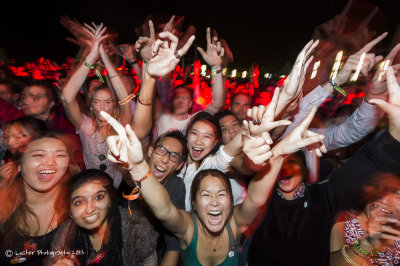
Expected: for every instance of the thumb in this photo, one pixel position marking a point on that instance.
(385, 106)
(245, 129)
(201, 51)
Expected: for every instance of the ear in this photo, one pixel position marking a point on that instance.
(150, 151)
(51, 104)
(180, 165)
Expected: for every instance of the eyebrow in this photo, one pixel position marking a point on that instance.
(79, 196)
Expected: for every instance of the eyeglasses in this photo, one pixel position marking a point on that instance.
(102, 166)
(35, 97)
(173, 156)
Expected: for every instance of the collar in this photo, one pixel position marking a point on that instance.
(299, 193)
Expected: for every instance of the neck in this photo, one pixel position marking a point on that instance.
(287, 195)
(180, 117)
(36, 199)
(43, 117)
(96, 236)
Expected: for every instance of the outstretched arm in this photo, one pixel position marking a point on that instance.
(213, 57)
(164, 61)
(125, 149)
(261, 186)
(77, 79)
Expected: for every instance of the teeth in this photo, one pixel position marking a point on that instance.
(215, 212)
(91, 218)
(160, 169)
(47, 172)
(385, 211)
(197, 149)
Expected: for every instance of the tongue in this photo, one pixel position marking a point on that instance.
(214, 217)
(196, 153)
(45, 177)
(284, 181)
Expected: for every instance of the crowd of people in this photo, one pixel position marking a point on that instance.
(126, 156)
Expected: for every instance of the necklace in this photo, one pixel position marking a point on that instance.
(214, 247)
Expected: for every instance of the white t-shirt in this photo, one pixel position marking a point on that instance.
(219, 161)
(167, 123)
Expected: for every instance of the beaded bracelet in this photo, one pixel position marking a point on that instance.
(88, 65)
(144, 102)
(127, 99)
(363, 251)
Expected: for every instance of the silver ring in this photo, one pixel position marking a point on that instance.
(177, 55)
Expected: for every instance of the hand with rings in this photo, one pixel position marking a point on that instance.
(213, 55)
(165, 55)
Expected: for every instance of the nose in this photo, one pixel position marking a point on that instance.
(165, 158)
(90, 207)
(102, 106)
(51, 159)
(214, 200)
(387, 199)
(11, 142)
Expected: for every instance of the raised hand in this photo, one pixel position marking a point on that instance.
(379, 87)
(124, 148)
(145, 43)
(352, 62)
(382, 232)
(299, 138)
(165, 56)
(256, 149)
(291, 89)
(213, 55)
(96, 34)
(392, 106)
(77, 29)
(262, 118)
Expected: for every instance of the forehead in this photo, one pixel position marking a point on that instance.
(172, 144)
(182, 92)
(5, 88)
(102, 95)
(88, 188)
(241, 98)
(228, 120)
(14, 128)
(212, 183)
(36, 90)
(204, 127)
(46, 144)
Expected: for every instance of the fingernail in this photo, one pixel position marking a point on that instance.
(259, 120)
(255, 121)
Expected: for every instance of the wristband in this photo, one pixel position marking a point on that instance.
(337, 87)
(136, 190)
(214, 72)
(88, 65)
(144, 102)
(363, 251)
(127, 99)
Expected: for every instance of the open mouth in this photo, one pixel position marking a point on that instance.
(285, 180)
(159, 171)
(214, 217)
(92, 218)
(197, 152)
(46, 175)
(381, 211)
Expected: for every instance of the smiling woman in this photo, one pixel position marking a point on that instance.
(32, 205)
(105, 232)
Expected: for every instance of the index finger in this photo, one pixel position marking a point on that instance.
(372, 43)
(152, 31)
(169, 25)
(393, 53)
(370, 16)
(182, 51)
(307, 121)
(272, 105)
(346, 8)
(114, 124)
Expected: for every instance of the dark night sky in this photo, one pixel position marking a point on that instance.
(270, 33)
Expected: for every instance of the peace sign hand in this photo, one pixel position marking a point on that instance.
(125, 148)
(262, 118)
(213, 55)
(300, 137)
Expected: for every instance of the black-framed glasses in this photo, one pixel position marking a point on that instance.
(173, 156)
(102, 166)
